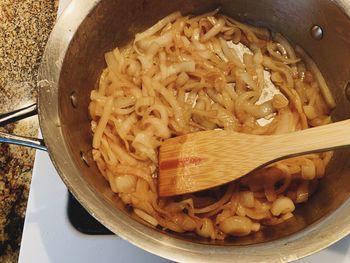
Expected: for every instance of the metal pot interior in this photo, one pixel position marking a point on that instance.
(114, 23)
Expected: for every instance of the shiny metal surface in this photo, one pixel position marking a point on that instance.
(20, 140)
(17, 115)
(38, 144)
(316, 32)
(73, 61)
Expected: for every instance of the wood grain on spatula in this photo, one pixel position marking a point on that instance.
(202, 160)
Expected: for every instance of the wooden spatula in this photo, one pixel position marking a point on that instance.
(202, 160)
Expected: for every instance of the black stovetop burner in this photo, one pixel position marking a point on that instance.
(82, 221)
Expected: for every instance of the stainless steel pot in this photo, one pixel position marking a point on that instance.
(73, 61)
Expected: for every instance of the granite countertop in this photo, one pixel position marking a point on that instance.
(24, 28)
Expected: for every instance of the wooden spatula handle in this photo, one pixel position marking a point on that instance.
(205, 159)
(322, 138)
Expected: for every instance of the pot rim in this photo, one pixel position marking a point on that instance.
(282, 250)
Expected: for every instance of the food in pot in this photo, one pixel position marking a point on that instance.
(193, 73)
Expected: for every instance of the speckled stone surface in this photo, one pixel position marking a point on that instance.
(24, 28)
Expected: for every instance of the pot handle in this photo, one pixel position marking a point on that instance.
(20, 140)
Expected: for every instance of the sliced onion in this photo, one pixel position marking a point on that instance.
(321, 81)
